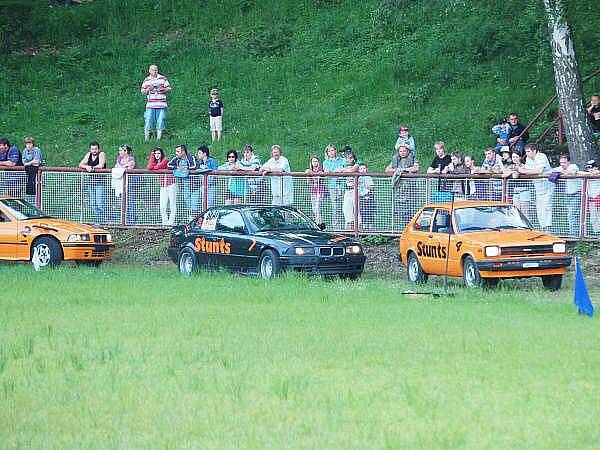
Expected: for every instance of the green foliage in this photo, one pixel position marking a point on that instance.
(301, 74)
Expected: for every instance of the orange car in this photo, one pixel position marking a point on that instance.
(482, 242)
(25, 231)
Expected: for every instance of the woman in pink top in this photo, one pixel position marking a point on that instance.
(317, 187)
(168, 187)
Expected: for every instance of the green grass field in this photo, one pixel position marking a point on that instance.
(144, 358)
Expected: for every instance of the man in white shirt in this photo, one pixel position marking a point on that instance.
(572, 193)
(537, 163)
(282, 188)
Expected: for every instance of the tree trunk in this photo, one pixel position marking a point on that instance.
(581, 142)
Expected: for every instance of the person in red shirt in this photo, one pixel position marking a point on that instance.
(168, 186)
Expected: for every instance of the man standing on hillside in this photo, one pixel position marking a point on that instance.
(155, 87)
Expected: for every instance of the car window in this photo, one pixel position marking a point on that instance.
(423, 223)
(4, 217)
(442, 222)
(230, 221)
(494, 217)
(281, 219)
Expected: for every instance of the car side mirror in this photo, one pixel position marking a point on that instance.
(322, 226)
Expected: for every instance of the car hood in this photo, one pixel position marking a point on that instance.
(305, 238)
(63, 226)
(509, 238)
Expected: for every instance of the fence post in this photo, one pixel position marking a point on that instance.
(38, 188)
(356, 177)
(583, 208)
(204, 191)
(124, 200)
(504, 189)
(81, 178)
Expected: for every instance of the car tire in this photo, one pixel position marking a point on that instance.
(48, 250)
(414, 271)
(552, 282)
(187, 262)
(471, 273)
(269, 264)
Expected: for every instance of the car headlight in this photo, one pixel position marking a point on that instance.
(109, 237)
(493, 250)
(78, 238)
(301, 251)
(353, 250)
(559, 247)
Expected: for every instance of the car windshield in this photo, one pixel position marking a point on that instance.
(273, 219)
(22, 210)
(483, 218)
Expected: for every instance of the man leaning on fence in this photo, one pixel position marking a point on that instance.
(537, 163)
(95, 159)
(401, 163)
(572, 192)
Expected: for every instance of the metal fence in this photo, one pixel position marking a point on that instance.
(355, 203)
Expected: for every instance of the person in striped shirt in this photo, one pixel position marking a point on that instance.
(155, 87)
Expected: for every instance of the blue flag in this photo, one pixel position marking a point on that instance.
(582, 297)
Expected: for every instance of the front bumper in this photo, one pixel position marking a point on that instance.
(542, 263)
(87, 251)
(319, 265)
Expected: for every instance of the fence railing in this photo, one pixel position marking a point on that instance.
(354, 203)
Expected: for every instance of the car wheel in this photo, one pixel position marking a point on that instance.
(47, 251)
(187, 261)
(552, 282)
(269, 264)
(414, 271)
(471, 273)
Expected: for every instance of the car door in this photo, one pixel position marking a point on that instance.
(9, 237)
(202, 231)
(237, 245)
(443, 244)
(421, 232)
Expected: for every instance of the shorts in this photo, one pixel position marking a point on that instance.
(158, 115)
(216, 123)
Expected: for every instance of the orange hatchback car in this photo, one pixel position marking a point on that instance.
(26, 231)
(482, 242)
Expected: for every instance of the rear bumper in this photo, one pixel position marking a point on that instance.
(525, 266)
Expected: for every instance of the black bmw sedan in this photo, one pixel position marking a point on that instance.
(263, 240)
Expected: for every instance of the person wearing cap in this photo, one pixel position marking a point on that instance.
(251, 162)
(405, 139)
(215, 112)
(537, 163)
(155, 87)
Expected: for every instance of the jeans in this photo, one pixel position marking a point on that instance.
(573, 202)
(334, 197)
(152, 115)
(96, 194)
(544, 190)
(168, 196)
(191, 197)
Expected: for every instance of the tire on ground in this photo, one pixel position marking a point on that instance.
(49, 251)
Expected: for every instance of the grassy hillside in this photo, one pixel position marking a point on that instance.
(298, 73)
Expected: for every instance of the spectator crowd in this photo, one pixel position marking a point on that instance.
(512, 156)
